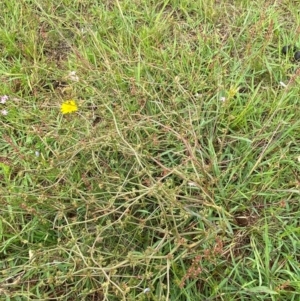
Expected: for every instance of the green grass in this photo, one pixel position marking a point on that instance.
(157, 188)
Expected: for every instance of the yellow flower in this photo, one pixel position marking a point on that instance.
(68, 106)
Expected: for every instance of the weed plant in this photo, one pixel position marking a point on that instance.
(174, 172)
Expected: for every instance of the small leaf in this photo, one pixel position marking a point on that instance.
(262, 289)
(5, 169)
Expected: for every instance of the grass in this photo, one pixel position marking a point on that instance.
(178, 177)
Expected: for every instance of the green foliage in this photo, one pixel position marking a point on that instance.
(178, 177)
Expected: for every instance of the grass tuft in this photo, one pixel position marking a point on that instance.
(175, 175)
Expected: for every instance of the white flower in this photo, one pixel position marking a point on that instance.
(223, 98)
(146, 290)
(4, 112)
(73, 77)
(3, 99)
